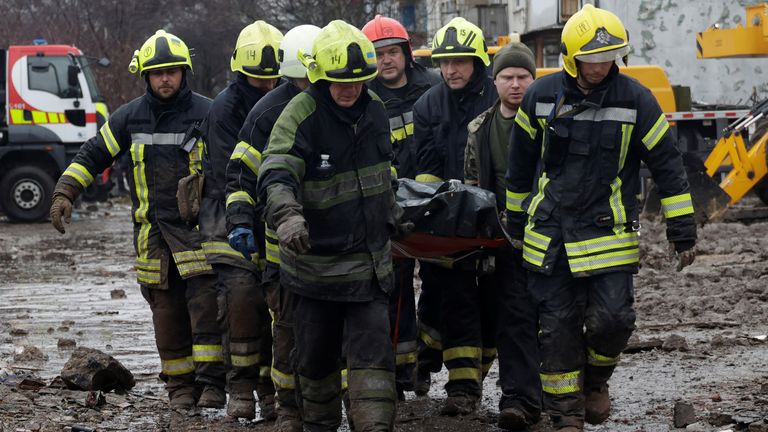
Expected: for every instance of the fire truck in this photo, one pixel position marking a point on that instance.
(51, 105)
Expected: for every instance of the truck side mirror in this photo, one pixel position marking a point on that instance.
(75, 116)
(72, 76)
(104, 62)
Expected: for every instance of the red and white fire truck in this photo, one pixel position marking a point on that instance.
(51, 105)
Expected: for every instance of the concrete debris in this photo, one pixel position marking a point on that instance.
(684, 414)
(760, 426)
(720, 419)
(64, 343)
(91, 369)
(715, 397)
(117, 294)
(675, 343)
(15, 331)
(29, 353)
(699, 427)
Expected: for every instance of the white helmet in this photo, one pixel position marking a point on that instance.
(300, 37)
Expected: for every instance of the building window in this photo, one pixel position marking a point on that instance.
(494, 21)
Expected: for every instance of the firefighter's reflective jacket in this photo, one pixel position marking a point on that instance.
(155, 135)
(399, 103)
(332, 166)
(225, 118)
(245, 161)
(441, 118)
(573, 176)
(243, 207)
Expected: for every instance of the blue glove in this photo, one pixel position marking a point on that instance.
(242, 240)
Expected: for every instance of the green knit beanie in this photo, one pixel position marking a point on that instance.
(515, 54)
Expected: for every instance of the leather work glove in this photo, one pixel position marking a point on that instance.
(517, 244)
(241, 239)
(61, 204)
(684, 252)
(61, 208)
(402, 230)
(294, 234)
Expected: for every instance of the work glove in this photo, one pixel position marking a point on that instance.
(61, 208)
(61, 204)
(684, 252)
(241, 239)
(402, 230)
(293, 234)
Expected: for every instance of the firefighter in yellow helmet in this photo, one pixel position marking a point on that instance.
(580, 136)
(451, 305)
(256, 69)
(326, 184)
(160, 131)
(243, 213)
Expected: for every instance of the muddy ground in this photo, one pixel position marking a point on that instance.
(60, 291)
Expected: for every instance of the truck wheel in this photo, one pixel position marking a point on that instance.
(26, 194)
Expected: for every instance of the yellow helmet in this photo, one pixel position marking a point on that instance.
(593, 35)
(162, 50)
(256, 51)
(460, 38)
(340, 53)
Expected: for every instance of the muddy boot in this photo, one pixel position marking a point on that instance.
(267, 407)
(288, 421)
(242, 405)
(183, 398)
(212, 397)
(423, 382)
(597, 406)
(182, 391)
(459, 404)
(513, 419)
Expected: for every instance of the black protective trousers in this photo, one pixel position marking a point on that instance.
(322, 328)
(247, 322)
(281, 302)
(187, 333)
(585, 324)
(516, 336)
(402, 318)
(462, 314)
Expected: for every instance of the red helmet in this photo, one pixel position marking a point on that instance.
(383, 31)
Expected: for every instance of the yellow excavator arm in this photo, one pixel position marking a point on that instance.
(748, 41)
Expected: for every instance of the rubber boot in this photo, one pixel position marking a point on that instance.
(242, 405)
(459, 404)
(597, 404)
(212, 397)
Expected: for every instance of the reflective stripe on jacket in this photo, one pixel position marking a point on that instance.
(574, 185)
(225, 118)
(152, 133)
(400, 112)
(336, 172)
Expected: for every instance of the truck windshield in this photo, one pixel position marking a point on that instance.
(90, 79)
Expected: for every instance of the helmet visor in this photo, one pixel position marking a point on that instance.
(604, 56)
(387, 42)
